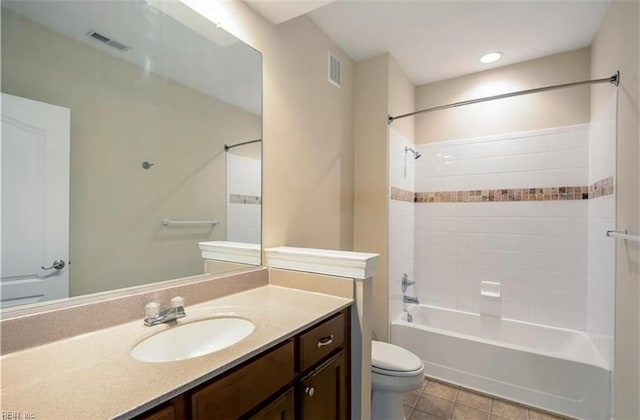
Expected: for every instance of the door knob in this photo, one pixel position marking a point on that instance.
(309, 391)
(57, 265)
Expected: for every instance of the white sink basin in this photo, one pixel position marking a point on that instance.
(192, 340)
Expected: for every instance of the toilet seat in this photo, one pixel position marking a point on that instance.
(390, 360)
(395, 372)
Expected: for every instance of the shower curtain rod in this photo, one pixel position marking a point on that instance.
(614, 80)
(227, 147)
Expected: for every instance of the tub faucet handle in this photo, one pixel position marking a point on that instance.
(406, 282)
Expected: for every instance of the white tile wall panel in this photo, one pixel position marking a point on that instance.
(542, 158)
(540, 251)
(401, 222)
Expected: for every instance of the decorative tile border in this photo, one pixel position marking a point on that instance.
(598, 189)
(403, 195)
(244, 199)
(601, 188)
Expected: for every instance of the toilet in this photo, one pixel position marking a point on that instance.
(394, 371)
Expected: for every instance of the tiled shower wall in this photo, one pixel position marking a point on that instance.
(401, 220)
(536, 250)
(511, 209)
(244, 186)
(545, 158)
(601, 211)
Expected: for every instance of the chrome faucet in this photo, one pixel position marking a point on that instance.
(406, 282)
(410, 299)
(153, 315)
(405, 285)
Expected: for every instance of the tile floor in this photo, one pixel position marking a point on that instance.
(441, 401)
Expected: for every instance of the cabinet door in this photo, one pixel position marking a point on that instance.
(235, 394)
(324, 394)
(280, 409)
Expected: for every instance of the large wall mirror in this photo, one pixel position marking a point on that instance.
(131, 144)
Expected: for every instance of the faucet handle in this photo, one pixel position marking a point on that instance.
(177, 302)
(406, 282)
(151, 310)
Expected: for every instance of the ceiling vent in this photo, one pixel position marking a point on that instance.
(335, 70)
(107, 41)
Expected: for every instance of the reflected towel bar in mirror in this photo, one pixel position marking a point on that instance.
(171, 222)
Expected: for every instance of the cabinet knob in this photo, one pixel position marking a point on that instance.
(309, 391)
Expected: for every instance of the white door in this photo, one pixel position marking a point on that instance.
(34, 228)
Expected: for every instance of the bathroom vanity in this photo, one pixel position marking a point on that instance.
(307, 357)
(306, 377)
(295, 363)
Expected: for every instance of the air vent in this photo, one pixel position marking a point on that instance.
(335, 70)
(107, 41)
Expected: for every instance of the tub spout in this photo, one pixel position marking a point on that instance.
(410, 299)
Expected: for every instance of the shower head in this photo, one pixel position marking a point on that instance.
(416, 155)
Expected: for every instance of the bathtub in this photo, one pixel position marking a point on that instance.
(551, 368)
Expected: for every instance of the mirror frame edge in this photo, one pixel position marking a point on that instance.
(92, 298)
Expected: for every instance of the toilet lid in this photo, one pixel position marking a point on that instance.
(387, 357)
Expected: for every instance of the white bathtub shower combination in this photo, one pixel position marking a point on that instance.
(552, 368)
(524, 213)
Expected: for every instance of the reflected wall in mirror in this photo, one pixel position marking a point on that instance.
(115, 117)
(244, 191)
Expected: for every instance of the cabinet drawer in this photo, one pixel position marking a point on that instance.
(166, 413)
(321, 341)
(174, 409)
(236, 393)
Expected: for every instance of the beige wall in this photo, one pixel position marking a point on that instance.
(529, 112)
(616, 48)
(402, 99)
(308, 131)
(371, 183)
(118, 120)
(382, 88)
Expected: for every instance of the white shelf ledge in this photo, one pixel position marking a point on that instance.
(237, 252)
(356, 265)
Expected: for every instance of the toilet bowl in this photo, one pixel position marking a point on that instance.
(394, 371)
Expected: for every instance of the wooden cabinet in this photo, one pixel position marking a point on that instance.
(236, 392)
(324, 392)
(320, 341)
(171, 410)
(306, 377)
(280, 409)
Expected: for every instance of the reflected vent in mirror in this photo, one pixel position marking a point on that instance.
(335, 70)
(108, 41)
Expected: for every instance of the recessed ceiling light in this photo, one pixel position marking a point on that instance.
(491, 57)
